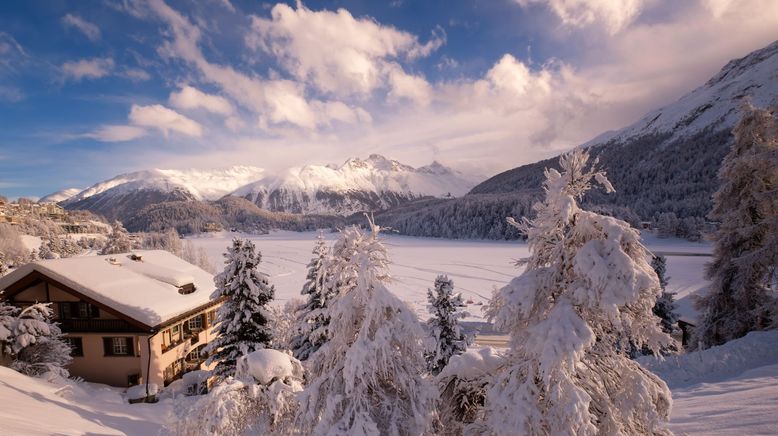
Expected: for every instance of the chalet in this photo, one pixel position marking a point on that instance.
(130, 318)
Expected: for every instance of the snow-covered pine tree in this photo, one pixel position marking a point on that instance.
(312, 321)
(743, 273)
(665, 304)
(367, 378)
(118, 240)
(242, 320)
(444, 324)
(35, 342)
(586, 287)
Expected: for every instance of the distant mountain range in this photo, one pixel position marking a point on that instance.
(372, 184)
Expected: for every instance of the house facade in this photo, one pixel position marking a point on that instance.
(129, 318)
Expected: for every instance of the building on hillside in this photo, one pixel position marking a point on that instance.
(212, 227)
(130, 318)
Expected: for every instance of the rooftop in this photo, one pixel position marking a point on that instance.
(146, 290)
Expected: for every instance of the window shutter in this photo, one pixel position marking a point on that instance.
(95, 311)
(107, 347)
(130, 346)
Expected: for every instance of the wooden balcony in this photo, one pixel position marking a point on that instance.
(96, 325)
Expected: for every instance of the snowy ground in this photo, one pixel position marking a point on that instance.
(726, 390)
(477, 267)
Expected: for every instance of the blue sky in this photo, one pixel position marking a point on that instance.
(91, 89)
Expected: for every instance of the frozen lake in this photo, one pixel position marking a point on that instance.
(477, 267)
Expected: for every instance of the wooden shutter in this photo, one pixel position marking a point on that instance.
(94, 311)
(108, 346)
(204, 320)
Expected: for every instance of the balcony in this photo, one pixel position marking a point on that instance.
(95, 325)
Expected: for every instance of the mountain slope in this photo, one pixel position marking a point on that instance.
(665, 162)
(668, 160)
(123, 195)
(375, 183)
(56, 197)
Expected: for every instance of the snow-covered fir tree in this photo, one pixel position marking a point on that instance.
(367, 378)
(312, 321)
(118, 240)
(587, 287)
(444, 324)
(242, 323)
(744, 269)
(665, 304)
(33, 341)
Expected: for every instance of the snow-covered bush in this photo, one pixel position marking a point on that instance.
(32, 340)
(312, 323)
(242, 321)
(14, 252)
(741, 297)
(444, 324)
(587, 287)
(260, 399)
(118, 240)
(366, 379)
(462, 385)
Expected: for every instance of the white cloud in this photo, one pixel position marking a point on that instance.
(164, 119)
(272, 100)
(361, 55)
(136, 74)
(192, 98)
(90, 30)
(614, 15)
(117, 133)
(88, 68)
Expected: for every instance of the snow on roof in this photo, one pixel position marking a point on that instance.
(145, 290)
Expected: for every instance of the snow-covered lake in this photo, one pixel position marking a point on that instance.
(476, 267)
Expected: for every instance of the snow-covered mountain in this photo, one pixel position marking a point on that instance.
(668, 160)
(122, 195)
(374, 183)
(715, 103)
(58, 196)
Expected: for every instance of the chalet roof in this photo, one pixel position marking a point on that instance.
(145, 290)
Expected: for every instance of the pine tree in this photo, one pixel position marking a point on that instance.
(242, 320)
(665, 304)
(740, 297)
(587, 287)
(366, 379)
(449, 339)
(312, 321)
(118, 241)
(33, 341)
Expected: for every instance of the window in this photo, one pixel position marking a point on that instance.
(133, 380)
(196, 323)
(118, 346)
(76, 346)
(211, 317)
(78, 310)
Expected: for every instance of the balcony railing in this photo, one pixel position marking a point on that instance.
(95, 325)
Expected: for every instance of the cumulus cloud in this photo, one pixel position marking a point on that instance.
(192, 98)
(164, 119)
(94, 68)
(276, 101)
(361, 55)
(90, 30)
(117, 133)
(614, 15)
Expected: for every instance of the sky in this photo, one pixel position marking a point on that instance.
(92, 89)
